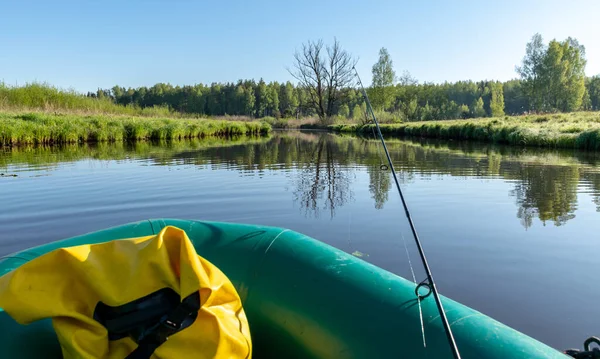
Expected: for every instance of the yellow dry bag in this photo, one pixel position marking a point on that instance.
(125, 298)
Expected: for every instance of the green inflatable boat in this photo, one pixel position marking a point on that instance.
(303, 299)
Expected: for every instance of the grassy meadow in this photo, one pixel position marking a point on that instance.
(42, 114)
(47, 98)
(576, 130)
(50, 128)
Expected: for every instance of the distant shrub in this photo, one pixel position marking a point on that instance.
(388, 117)
(269, 119)
(278, 122)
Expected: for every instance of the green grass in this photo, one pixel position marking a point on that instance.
(578, 130)
(45, 128)
(44, 97)
(291, 123)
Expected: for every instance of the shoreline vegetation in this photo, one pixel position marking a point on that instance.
(42, 114)
(575, 130)
(60, 128)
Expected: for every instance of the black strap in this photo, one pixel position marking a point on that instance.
(134, 318)
(159, 334)
(149, 320)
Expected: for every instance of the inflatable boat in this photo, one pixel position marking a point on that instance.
(303, 299)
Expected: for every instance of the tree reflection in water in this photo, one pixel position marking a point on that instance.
(545, 181)
(322, 167)
(323, 183)
(547, 192)
(379, 185)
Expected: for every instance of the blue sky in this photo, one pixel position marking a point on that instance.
(89, 44)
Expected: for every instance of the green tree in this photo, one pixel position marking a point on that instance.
(305, 107)
(497, 99)
(357, 112)
(531, 72)
(240, 98)
(477, 108)
(213, 102)
(409, 109)
(564, 68)
(382, 90)
(554, 75)
(363, 111)
(249, 100)
(273, 100)
(426, 113)
(229, 98)
(344, 111)
(593, 91)
(118, 94)
(450, 110)
(515, 101)
(464, 111)
(288, 99)
(352, 97)
(261, 94)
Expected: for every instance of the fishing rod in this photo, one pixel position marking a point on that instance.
(430, 283)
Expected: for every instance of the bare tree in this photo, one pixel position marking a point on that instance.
(323, 74)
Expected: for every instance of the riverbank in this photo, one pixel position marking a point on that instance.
(46, 128)
(577, 130)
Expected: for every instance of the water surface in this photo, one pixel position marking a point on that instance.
(510, 232)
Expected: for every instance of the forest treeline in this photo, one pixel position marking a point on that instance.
(552, 79)
(412, 102)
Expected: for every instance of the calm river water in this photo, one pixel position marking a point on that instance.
(511, 232)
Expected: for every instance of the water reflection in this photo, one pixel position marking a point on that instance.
(546, 183)
(323, 183)
(322, 167)
(379, 185)
(546, 192)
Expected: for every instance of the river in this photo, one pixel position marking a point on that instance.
(511, 232)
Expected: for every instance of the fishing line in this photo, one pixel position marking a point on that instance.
(418, 296)
(428, 282)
